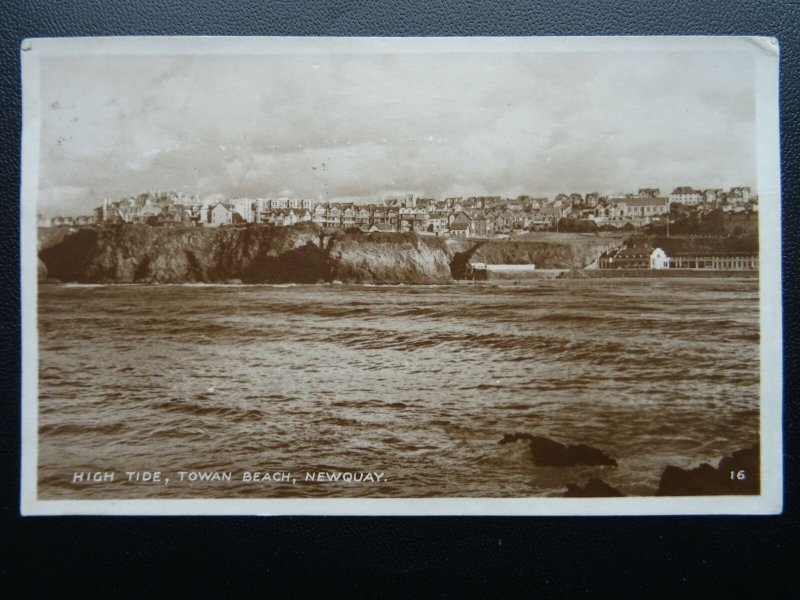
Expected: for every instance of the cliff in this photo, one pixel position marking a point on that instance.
(545, 250)
(254, 254)
(389, 258)
(545, 255)
(299, 254)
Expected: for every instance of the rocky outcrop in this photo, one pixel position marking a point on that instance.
(594, 488)
(50, 236)
(736, 474)
(545, 255)
(253, 254)
(548, 453)
(545, 250)
(461, 258)
(299, 254)
(389, 258)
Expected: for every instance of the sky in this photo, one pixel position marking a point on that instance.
(366, 126)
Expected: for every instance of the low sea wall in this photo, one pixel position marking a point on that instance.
(528, 275)
(661, 273)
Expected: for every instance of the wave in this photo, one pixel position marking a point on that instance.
(413, 380)
(81, 428)
(199, 406)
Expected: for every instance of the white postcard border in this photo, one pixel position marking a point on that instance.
(768, 169)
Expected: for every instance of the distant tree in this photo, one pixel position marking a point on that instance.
(712, 223)
(677, 208)
(570, 225)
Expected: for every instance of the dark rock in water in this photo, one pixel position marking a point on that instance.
(510, 438)
(736, 474)
(547, 453)
(594, 488)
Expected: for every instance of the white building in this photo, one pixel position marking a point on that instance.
(437, 221)
(219, 214)
(687, 195)
(739, 196)
(278, 203)
(318, 218)
(246, 208)
(711, 194)
(659, 259)
(644, 210)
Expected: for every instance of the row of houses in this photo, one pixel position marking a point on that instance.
(475, 216)
(735, 197)
(479, 219)
(57, 221)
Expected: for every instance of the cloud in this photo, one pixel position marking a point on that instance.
(57, 200)
(501, 123)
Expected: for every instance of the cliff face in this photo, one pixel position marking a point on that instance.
(299, 254)
(545, 255)
(558, 252)
(390, 258)
(133, 253)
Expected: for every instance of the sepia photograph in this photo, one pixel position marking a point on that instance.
(490, 276)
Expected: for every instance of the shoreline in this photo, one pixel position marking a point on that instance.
(670, 274)
(456, 283)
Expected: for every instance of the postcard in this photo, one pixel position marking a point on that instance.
(401, 276)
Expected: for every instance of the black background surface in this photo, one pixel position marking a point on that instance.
(345, 557)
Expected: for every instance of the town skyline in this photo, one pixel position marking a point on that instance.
(364, 127)
(454, 216)
(401, 197)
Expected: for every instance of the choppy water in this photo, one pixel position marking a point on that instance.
(418, 383)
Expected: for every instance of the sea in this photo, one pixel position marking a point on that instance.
(276, 391)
